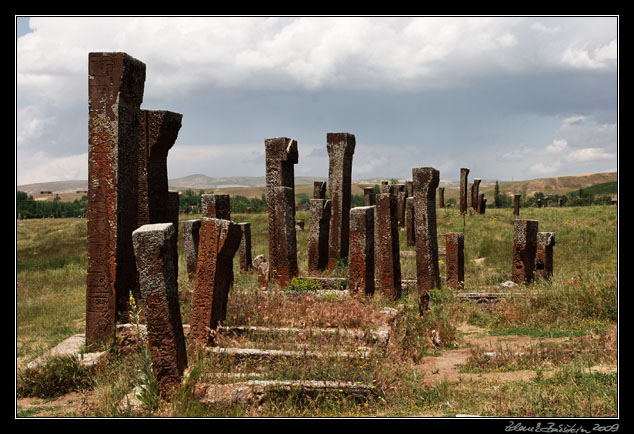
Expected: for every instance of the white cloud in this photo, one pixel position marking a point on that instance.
(556, 146)
(606, 52)
(42, 167)
(589, 154)
(539, 26)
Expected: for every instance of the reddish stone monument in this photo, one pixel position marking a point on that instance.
(454, 246)
(154, 247)
(410, 223)
(318, 234)
(319, 189)
(340, 151)
(464, 183)
(544, 255)
(368, 196)
(115, 92)
(244, 251)
(386, 245)
(158, 132)
(524, 250)
(283, 264)
(426, 181)
(475, 194)
(191, 234)
(361, 266)
(281, 157)
(441, 197)
(219, 242)
(516, 204)
(216, 206)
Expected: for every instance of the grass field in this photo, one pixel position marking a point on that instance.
(549, 351)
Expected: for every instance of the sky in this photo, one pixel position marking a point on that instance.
(509, 97)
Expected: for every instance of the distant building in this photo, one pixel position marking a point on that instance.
(46, 192)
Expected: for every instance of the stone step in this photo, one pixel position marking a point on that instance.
(254, 390)
(380, 336)
(362, 352)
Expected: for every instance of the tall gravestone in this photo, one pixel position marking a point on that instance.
(154, 247)
(285, 267)
(441, 197)
(340, 151)
(115, 92)
(464, 182)
(244, 251)
(219, 242)
(318, 232)
(281, 156)
(191, 234)
(454, 248)
(361, 265)
(386, 244)
(524, 250)
(544, 255)
(516, 204)
(158, 132)
(216, 206)
(368, 196)
(426, 181)
(475, 194)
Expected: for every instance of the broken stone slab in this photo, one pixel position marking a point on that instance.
(72, 346)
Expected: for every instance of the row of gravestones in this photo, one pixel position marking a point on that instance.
(133, 222)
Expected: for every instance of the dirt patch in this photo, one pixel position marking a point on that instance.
(69, 405)
(447, 366)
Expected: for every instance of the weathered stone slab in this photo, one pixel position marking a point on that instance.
(400, 206)
(516, 204)
(481, 204)
(319, 189)
(318, 235)
(475, 194)
(524, 250)
(386, 245)
(284, 267)
(244, 251)
(464, 182)
(368, 196)
(454, 248)
(544, 255)
(281, 156)
(410, 222)
(219, 242)
(191, 235)
(216, 206)
(426, 181)
(158, 132)
(441, 197)
(154, 250)
(115, 92)
(361, 265)
(340, 151)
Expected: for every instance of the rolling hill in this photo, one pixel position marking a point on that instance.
(254, 186)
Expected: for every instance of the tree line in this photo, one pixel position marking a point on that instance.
(190, 200)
